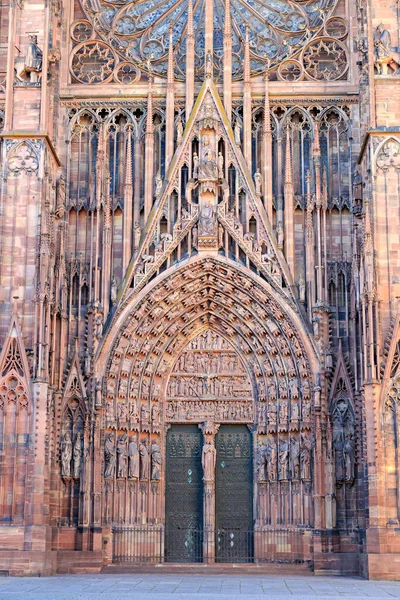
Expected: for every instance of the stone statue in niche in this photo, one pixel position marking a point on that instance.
(280, 236)
(339, 456)
(220, 165)
(159, 184)
(305, 457)
(283, 459)
(196, 162)
(122, 410)
(137, 232)
(114, 290)
(122, 462)
(77, 452)
(295, 411)
(133, 459)
(99, 327)
(209, 64)
(261, 463)
(144, 460)
(179, 131)
(144, 414)
(257, 181)
(302, 289)
(29, 69)
(155, 415)
(294, 457)
(272, 412)
(156, 462)
(306, 410)
(66, 456)
(358, 192)
(61, 198)
(348, 452)
(110, 455)
(208, 461)
(385, 56)
(207, 223)
(133, 411)
(283, 411)
(238, 132)
(271, 459)
(208, 169)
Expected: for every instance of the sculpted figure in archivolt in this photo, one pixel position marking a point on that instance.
(208, 461)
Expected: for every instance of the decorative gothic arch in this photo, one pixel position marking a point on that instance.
(206, 297)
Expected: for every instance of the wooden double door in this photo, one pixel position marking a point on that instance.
(232, 536)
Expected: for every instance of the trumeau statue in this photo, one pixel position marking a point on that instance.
(208, 461)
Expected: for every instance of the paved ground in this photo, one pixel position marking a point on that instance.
(192, 587)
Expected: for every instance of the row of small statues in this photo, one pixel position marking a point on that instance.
(71, 456)
(124, 458)
(220, 411)
(280, 411)
(130, 412)
(283, 459)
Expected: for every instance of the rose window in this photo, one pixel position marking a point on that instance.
(138, 31)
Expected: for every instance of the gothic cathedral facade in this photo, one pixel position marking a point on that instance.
(199, 284)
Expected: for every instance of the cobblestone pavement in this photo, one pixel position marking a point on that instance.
(192, 587)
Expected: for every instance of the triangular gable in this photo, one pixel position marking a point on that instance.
(75, 383)
(341, 382)
(142, 266)
(13, 356)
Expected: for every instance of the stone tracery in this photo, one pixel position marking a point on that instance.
(139, 32)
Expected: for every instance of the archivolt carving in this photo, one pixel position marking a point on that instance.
(206, 297)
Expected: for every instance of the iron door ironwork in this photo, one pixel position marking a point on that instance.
(234, 495)
(184, 495)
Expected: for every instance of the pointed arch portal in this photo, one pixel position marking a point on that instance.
(210, 348)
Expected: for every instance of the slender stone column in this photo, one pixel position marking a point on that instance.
(267, 141)
(170, 109)
(228, 60)
(149, 155)
(189, 62)
(128, 191)
(209, 27)
(247, 105)
(289, 206)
